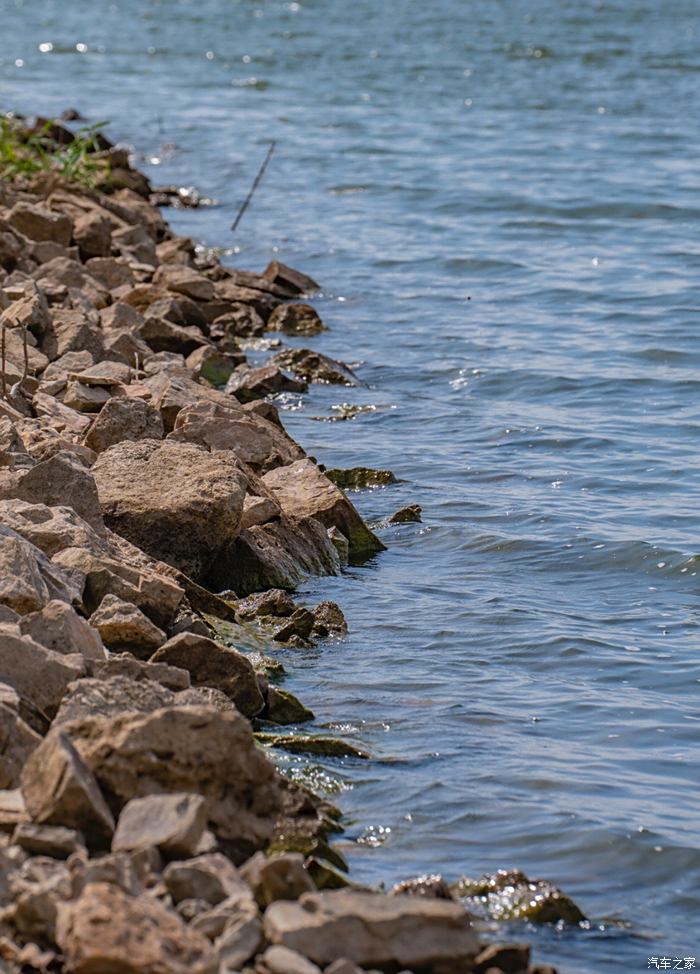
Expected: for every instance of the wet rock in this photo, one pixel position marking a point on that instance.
(48, 840)
(124, 628)
(176, 501)
(248, 383)
(292, 280)
(124, 419)
(509, 958)
(192, 749)
(510, 895)
(300, 623)
(59, 789)
(225, 426)
(239, 321)
(296, 319)
(329, 620)
(106, 930)
(212, 365)
(281, 960)
(326, 875)
(39, 223)
(281, 877)
(326, 747)
(274, 602)
(212, 665)
(282, 707)
(407, 515)
(433, 886)
(172, 823)
(358, 478)
(212, 878)
(373, 930)
(302, 490)
(278, 554)
(314, 367)
(340, 543)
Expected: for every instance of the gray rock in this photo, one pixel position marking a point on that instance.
(282, 960)
(48, 840)
(280, 877)
(59, 627)
(211, 877)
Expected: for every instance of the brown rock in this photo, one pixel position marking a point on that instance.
(239, 321)
(184, 280)
(39, 223)
(509, 958)
(22, 660)
(124, 664)
(28, 580)
(59, 627)
(72, 331)
(212, 365)
(61, 272)
(281, 877)
(226, 426)
(107, 373)
(110, 697)
(124, 627)
(371, 929)
(84, 398)
(176, 501)
(124, 419)
(48, 840)
(407, 515)
(62, 417)
(248, 383)
(212, 878)
(172, 823)
(17, 739)
(162, 335)
(212, 665)
(107, 931)
(293, 280)
(192, 749)
(59, 789)
(302, 490)
(92, 232)
(136, 244)
(111, 272)
(258, 510)
(296, 319)
(282, 960)
(63, 480)
(314, 367)
(329, 620)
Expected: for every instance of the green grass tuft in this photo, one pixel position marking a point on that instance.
(27, 152)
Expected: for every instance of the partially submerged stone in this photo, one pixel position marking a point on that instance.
(327, 747)
(314, 367)
(407, 515)
(359, 478)
(296, 319)
(247, 383)
(282, 707)
(510, 895)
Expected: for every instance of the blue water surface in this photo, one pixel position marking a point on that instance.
(501, 201)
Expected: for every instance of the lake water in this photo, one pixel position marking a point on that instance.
(501, 200)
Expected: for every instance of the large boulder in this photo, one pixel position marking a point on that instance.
(212, 665)
(63, 479)
(124, 419)
(302, 490)
(177, 501)
(106, 930)
(186, 749)
(374, 930)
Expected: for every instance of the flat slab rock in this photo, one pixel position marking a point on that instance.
(372, 929)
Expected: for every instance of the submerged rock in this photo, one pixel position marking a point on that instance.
(296, 319)
(510, 895)
(327, 747)
(314, 367)
(358, 478)
(407, 515)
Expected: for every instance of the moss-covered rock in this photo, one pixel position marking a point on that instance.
(510, 895)
(284, 708)
(327, 747)
(360, 478)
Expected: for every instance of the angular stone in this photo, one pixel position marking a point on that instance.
(238, 321)
(107, 373)
(62, 417)
(84, 398)
(314, 367)
(48, 840)
(274, 602)
(13, 811)
(184, 280)
(176, 501)
(28, 580)
(39, 675)
(111, 272)
(372, 929)
(300, 624)
(407, 515)
(212, 665)
(241, 938)
(226, 426)
(124, 664)
(282, 960)
(125, 628)
(124, 419)
(172, 823)
(59, 789)
(92, 232)
(212, 365)
(282, 707)
(111, 696)
(59, 627)
(329, 620)
(105, 930)
(40, 223)
(278, 273)
(509, 958)
(72, 331)
(63, 480)
(296, 319)
(211, 877)
(193, 749)
(17, 739)
(248, 383)
(281, 877)
(162, 335)
(302, 490)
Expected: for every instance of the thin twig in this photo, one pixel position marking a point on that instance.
(4, 374)
(256, 183)
(26, 354)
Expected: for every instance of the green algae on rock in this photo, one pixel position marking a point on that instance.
(328, 747)
(510, 895)
(359, 478)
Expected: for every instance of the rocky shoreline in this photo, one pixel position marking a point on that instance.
(151, 505)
